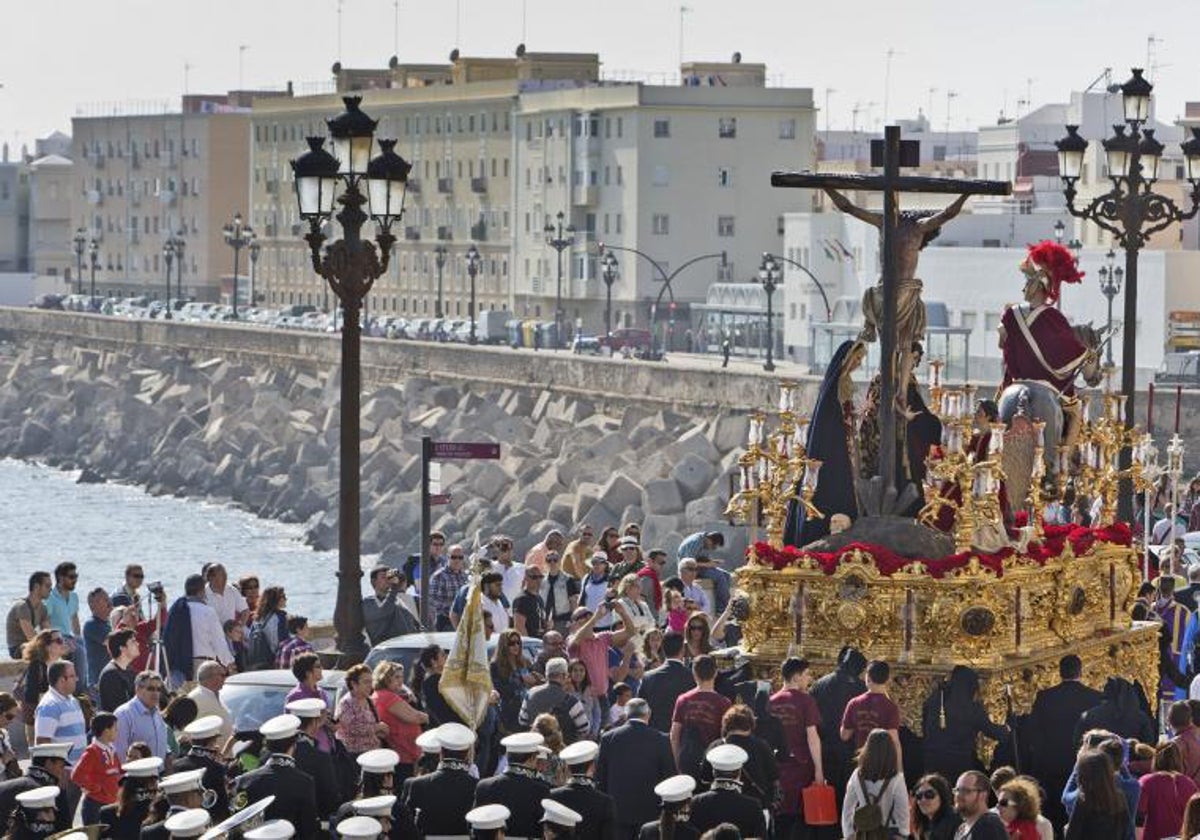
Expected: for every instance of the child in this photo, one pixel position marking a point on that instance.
(99, 768)
(621, 695)
(677, 612)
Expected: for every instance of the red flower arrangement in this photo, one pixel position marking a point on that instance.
(888, 562)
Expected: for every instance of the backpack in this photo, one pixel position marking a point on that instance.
(258, 648)
(868, 819)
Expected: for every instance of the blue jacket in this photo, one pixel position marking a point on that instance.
(177, 637)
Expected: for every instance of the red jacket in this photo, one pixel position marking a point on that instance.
(97, 773)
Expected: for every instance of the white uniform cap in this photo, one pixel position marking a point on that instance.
(143, 768)
(580, 752)
(38, 798)
(428, 741)
(522, 743)
(272, 830)
(71, 835)
(204, 727)
(375, 806)
(488, 816)
(59, 750)
(250, 812)
(182, 782)
(455, 736)
(559, 814)
(727, 757)
(545, 752)
(190, 823)
(360, 827)
(675, 789)
(307, 707)
(379, 762)
(280, 727)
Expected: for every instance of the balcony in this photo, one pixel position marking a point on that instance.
(479, 185)
(445, 185)
(479, 232)
(98, 161)
(414, 186)
(95, 197)
(412, 233)
(445, 233)
(167, 197)
(586, 196)
(134, 237)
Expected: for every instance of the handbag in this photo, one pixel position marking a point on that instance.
(820, 805)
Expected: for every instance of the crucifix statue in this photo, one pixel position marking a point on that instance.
(893, 309)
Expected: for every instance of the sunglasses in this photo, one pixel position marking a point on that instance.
(57, 640)
(536, 577)
(926, 795)
(505, 547)
(137, 576)
(9, 717)
(514, 643)
(695, 626)
(456, 557)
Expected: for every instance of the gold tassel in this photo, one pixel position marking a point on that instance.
(942, 707)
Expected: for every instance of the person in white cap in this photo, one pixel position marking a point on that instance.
(379, 809)
(47, 766)
(427, 742)
(204, 733)
(559, 822)
(186, 822)
(520, 787)
(310, 758)
(179, 792)
(36, 813)
(439, 800)
(488, 822)
(353, 828)
(271, 830)
(675, 798)
(293, 789)
(378, 778)
(581, 795)
(139, 786)
(724, 801)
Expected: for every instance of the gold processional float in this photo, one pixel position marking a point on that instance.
(1010, 614)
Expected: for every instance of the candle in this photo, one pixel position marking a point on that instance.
(996, 443)
(811, 474)
(1150, 409)
(1178, 399)
(968, 402)
(1040, 428)
(1064, 460)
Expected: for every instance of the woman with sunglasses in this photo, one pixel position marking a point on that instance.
(9, 710)
(699, 633)
(512, 678)
(934, 818)
(1019, 804)
(44, 649)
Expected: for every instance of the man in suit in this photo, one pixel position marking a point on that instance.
(310, 759)
(205, 754)
(294, 791)
(47, 766)
(633, 759)
(520, 787)
(725, 802)
(580, 795)
(1055, 713)
(661, 686)
(440, 800)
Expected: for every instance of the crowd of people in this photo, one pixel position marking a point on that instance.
(625, 719)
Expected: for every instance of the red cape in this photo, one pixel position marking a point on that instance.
(1039, 345)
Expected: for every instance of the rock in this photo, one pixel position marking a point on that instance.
(662, 496)
(693, 474)
(89, 476)
(620, 492)
(728, 432)
(704, 513)
(34, 438)
(694, 442)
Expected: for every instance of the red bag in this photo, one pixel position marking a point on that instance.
(820, 805)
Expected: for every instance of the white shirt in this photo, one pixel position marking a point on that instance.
(208, 634)
(227, 604)
(500, 618)
(513, 580)
(893, 802)
(1194, 689)
(208, 703)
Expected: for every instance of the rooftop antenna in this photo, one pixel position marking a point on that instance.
(951, 95)
(458, 21)
(339, 30)
(828, 91)
(887, 81)
(395, 27)
(524, 21)
(929, 110)
(187, 69)
(1152, 43)
(684, 10)
(241, 64)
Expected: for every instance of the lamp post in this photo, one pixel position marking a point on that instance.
(94, 254)
(1132, 213)
(350, 266)
(168, 253)
(254, 249)
(1060, 230)
(608, 268)
(439, 259)
(80, 245)
(237, 236)
(473, 261)
(769, 274)
(559, 238)
(1111, 276)
(180, 246)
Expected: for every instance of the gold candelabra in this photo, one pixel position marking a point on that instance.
(1100, 443)
(773, 466)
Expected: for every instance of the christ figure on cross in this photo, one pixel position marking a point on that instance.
(912, 231)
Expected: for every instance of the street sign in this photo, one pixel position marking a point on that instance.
(439, 499)
(466, 451)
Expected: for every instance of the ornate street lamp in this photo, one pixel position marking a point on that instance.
(608, 268)
(1060, 230)
(1111, 276)
(180, 246)
(473, 261)
(237, 236)
(254, 248)
(1132, 213)
(94, 254)
(439, 259)
(80, 245)
(168, 253)
(769, 275)
(350, 266)
(559, 238)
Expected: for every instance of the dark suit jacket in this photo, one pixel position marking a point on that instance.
(661, 687)
(634, 758)
(523, 797)
(439, 801)
(717, 806)
(294, 791)
(1055, 713)
(595, 806)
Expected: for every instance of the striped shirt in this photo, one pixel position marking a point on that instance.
(60, 719)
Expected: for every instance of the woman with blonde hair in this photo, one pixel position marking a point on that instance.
(652, 652)
(554, 770)
(396, 707)
(40, 652)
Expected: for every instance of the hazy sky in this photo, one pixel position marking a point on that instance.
(61, 55)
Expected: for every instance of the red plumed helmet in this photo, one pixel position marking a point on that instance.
(1052, 265)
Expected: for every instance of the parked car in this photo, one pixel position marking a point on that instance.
(587, 345)
(255, 697)
(637, 340)
(405, 649)
(54, 302)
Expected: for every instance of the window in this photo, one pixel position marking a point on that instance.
(661, 224)
(724, 225)
(724, 176)
(620, 126)
(727, 128)
(939, 154)
(661, 176)
(787, 129)
(662, 128)
(589, 223)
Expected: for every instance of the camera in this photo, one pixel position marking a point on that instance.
(155, 588)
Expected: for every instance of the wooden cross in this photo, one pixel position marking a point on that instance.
(890, 183)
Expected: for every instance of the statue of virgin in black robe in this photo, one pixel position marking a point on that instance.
(832, 440)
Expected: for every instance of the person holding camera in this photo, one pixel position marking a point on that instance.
(385, 613)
